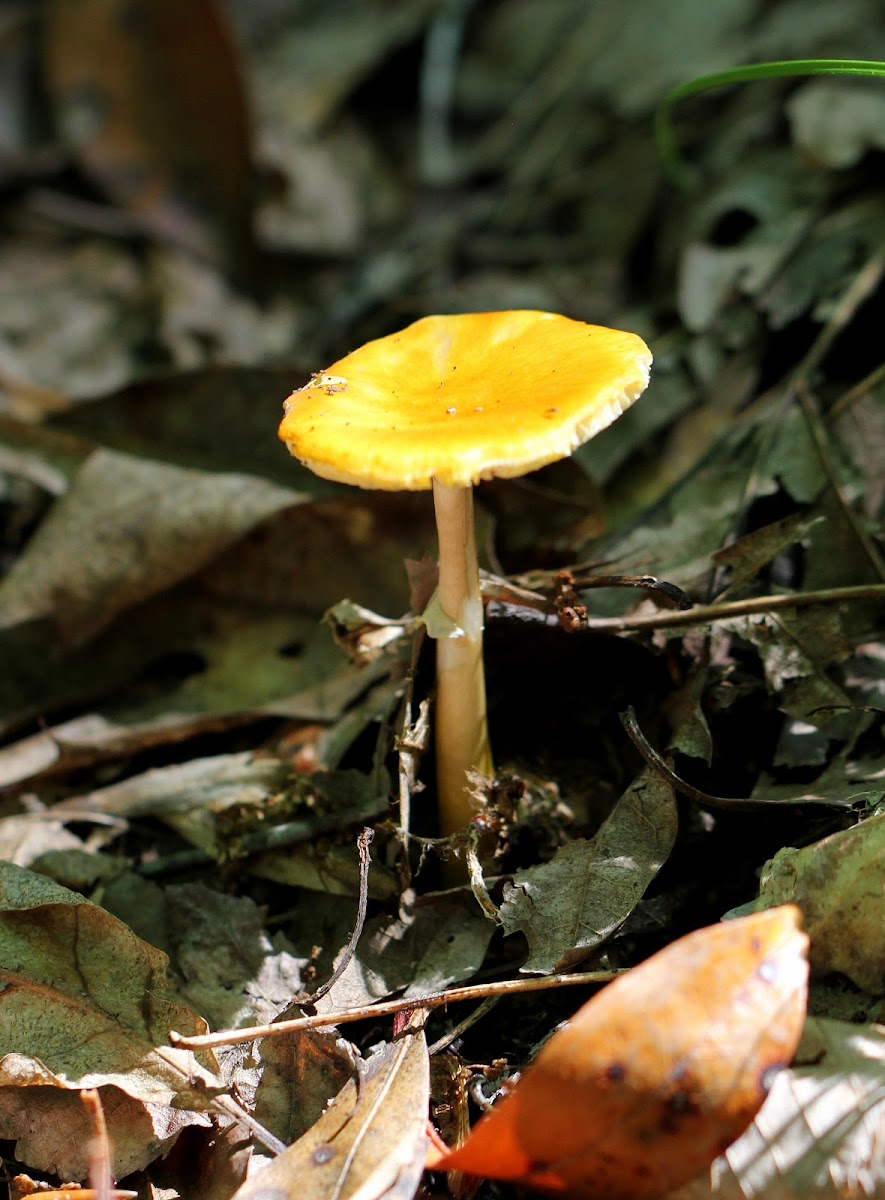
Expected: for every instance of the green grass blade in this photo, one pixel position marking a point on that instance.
(665, 135)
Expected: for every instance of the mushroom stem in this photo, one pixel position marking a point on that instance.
(462, 736)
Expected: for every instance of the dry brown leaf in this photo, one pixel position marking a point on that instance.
(52, 1130)
(371, 1141)
(142, 111)
(300, 1071)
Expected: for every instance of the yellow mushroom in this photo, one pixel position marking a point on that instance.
(442, 404)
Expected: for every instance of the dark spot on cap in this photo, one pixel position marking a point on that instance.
(322, 1155)
(616, 1072)
(755, 943)
(767, 1074)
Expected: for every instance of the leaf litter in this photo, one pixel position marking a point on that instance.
(188, 755)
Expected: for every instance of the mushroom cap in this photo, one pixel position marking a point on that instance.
(463, 398)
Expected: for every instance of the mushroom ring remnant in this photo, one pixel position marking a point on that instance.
(442, 404)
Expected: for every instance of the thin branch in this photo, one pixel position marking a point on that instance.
(461, 1028)
(709, 614)
(362, 844)
(229, 1037)
(707, 799)
(862, 388)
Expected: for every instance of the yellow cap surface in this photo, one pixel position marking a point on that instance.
(464, 398)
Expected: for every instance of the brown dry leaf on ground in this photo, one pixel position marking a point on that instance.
(140, 112)
(370, 1142)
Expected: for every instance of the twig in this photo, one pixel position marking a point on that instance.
(709, 614)
(663, 768)
(469, 1021)
(229, 1037)
(362, 844)
(861, 388)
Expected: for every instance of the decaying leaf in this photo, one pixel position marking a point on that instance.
(86, 1003)
(796, 650)
(164, 524)
(746, 556)
(51, 1129)
(60, 306)
(300, 1072)
(370, 1142)
(836, 882)
(233, 973)
(573, 903)
(422, 950)
(141, 111)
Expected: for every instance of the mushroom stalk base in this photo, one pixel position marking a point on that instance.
(462, 738)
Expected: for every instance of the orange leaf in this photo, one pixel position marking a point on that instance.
(657, 1074)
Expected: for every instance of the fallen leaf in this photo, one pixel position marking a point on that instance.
(820, 1134)
(93, 556)
(798, 651)
(61, 308)
(589, 888)
(658, 1073)
(424, 949)
(836, 121)
(141, 109)
(853, 784)
(834, 882)
(299, 1072)
(214, 419)
(52, 1132)
(231, 971)
(86, 1003)
(369, 1143)
(745, 557)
